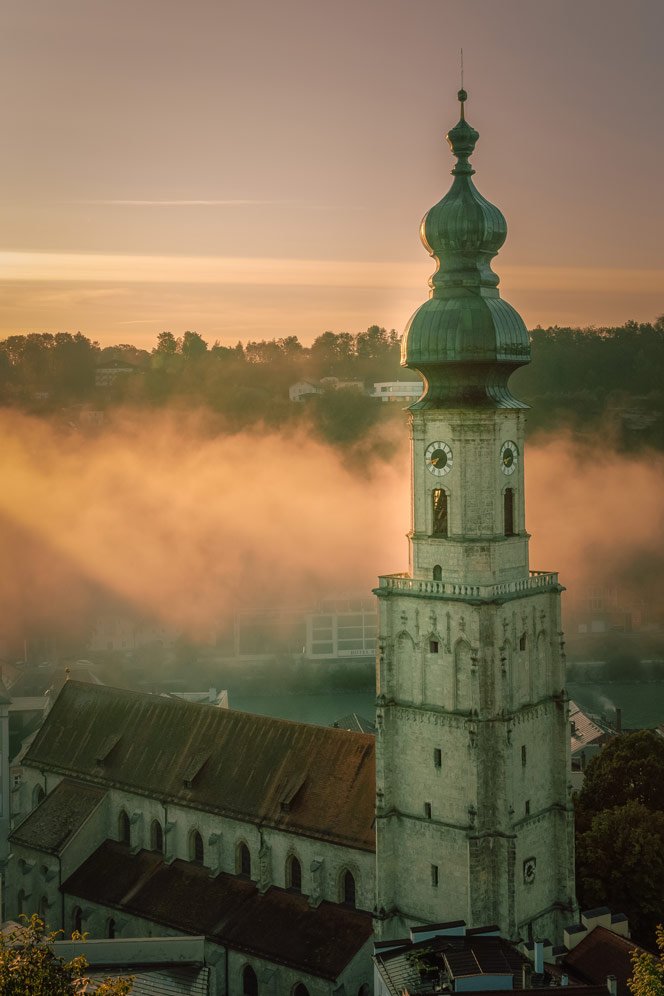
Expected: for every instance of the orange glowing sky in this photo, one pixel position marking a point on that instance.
(250, 169)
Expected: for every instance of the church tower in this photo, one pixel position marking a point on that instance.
(473, 819)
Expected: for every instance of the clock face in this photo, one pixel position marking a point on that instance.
(438, 457)
(529, 870)
(509, 457)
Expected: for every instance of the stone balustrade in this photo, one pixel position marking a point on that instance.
(536, 581)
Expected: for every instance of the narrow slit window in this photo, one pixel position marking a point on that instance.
(434, 876)
(427, 810)
(522, 641)
(509, 511)
(524, 756)
(433, 646)
(440, 518)
(527, 807)
(437, 757)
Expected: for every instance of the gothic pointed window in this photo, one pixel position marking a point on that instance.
(124, 828)
(243, 860)
(439, 505)
(156, 837)
(508, 499)
(294, 874)
(300, 990)
(348, 889)
(196, 849)
(37, 795)
(249, 982)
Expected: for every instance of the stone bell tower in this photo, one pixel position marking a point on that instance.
(474, 819)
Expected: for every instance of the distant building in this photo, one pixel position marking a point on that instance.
(391, 391)
(107, 373)
(588, 734)
(303, 389)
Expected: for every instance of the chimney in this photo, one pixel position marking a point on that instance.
(539, 959)
(612, 985)
(618, 720)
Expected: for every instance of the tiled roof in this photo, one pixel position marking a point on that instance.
(312, 780)
(278, 925)
(587, 729)
(51, 825)
(603, 953)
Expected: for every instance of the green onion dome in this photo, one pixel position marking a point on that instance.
(465, 340)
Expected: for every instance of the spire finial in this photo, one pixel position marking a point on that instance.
(462, 95)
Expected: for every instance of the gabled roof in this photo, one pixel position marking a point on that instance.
(54, 822)
(587, 729)
(278, 925)
(602, 953)
(218, 760)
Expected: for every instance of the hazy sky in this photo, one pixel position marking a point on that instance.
(248, 168)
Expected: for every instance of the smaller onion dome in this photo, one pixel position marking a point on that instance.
(465, 340)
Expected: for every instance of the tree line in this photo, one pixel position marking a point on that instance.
(577, 377)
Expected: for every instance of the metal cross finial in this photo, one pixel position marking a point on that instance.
(462, 69)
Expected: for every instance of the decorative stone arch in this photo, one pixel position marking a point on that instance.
(293, 872)
(348, 881)
(249, 981)
(124, 827)
(463, 689)
(437, 572)
(196, 846)
(242, 858)
(404, 660)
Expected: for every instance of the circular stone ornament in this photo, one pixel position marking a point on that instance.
(509, 457)
(438, 458)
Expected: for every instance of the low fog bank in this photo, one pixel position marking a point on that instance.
(179, 522)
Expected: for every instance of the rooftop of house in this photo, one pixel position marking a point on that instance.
(602, 953)
(354, 722)
(457, 959)
(313, 780)
(278, 925)
(585, 729)
(54, 822)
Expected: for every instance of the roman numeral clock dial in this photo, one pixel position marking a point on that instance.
(438, 458)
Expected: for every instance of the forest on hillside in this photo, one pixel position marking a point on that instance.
(582, 378)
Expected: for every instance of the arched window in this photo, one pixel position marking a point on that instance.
(124, 828)
(196, 849)
(348, 889)
(439, 508)
(249, 982)
(508, 500)
(37, 795)
(299, 989)
(156, 837)
(363, 990)
(110, 928)
(294, 874)
(438, 573)
(523, 641)
(77, 919)
(243, 860)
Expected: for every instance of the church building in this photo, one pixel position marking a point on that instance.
(290, 847)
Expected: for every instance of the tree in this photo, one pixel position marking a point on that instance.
(193, 345)
(620, 864)
(629, 768)
(28, 964)
(648, 977)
